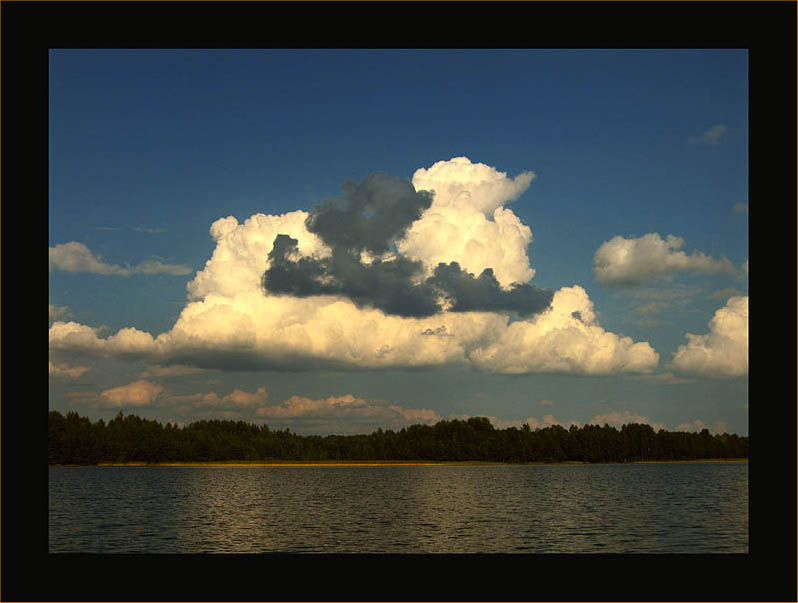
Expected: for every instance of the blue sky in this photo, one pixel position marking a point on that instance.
(148, 149)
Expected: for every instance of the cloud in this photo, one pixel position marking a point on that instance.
(137, 393)
(57, 312)
(370, 216)
(365, 225)
(549, 421)
(632, 261)
(63, 370)
(73, 336)
(241, 254)
(744, 268)
(344, 413)
(237, 399)
(231, 322)
(467, 222)
(619, 418)
(460, 182)
(698, 425)
(740, 208)
(175, 370)
(256, 331)
(712, 136)
(76, 257)
(725, 294)
(653, 300)
(564, 339)
(723, 352)
(391, 285)
(662, 379)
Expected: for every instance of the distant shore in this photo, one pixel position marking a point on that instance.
(393, 463)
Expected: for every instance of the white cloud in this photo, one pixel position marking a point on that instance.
(230, 320)
(64, 370)
(346, 413)
(698, 425)
(237, 399)
(564, 339)
(723, 352)
(461, 182)
(283, 331)
(76, 257)
(137, 393)
(619, 418)
(622, 261)
(549, 421)
(241, 255)
(467, 222)
(712, 136)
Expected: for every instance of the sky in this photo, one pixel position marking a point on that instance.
(333, 241)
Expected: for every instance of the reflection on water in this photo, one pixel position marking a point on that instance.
(413, 509)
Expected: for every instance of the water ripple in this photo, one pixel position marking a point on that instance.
(440, 509)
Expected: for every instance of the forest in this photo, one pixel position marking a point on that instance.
(74, 439)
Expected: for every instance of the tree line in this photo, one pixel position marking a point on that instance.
(74, 439)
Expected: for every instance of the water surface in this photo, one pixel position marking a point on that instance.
(654, 508)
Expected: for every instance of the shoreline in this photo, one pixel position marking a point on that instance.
(387, 463)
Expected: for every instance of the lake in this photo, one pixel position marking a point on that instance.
(645, 508)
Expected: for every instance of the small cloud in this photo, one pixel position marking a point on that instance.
(235, 400)
(546, 403)
(662, 379)
(632, 261)
(711, 136)
(149, 230)
(698, 425)
(63, 370)
(549, 421)
(618, 419)
(58, 312)
(137, 393)
(337, 411)
(724, 294)
(76, 257)
(740, 208)
(175, 370)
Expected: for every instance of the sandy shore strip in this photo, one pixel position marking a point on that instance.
(391, 463)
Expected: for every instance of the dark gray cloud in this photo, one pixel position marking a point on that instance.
(384, 285)
(483, 293)
(371, 217)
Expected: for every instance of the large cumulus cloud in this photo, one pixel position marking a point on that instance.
(362, 231)
(483, 313)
